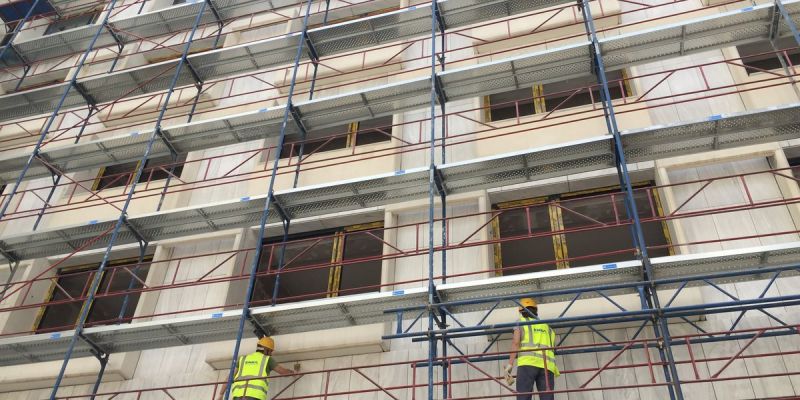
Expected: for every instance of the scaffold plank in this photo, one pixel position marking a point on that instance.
(166, 21)
(369, 308)
(712, 133)
(415, 21)
(180, 18)
(59, 44)
(37, 101)
(203, 135)
(154, 226)
(71, 7)
(725, 29)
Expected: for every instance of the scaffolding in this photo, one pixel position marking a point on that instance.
(428, 313)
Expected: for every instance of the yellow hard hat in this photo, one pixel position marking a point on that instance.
(527, 302)
(266, 342)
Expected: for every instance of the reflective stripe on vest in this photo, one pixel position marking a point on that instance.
(533, 337)
(252, 377)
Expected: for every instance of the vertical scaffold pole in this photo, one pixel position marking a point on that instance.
(789, 21)
(435, 186)
(779, 13)
(438, 21)
(270, 200)
(57, 177)
(73, 83)
(122, 220)
(315, 62)
(660, 328)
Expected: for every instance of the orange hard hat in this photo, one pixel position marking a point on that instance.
(267, 343)
(527, 302)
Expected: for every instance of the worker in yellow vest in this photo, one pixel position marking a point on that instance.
(251, 377)
(533, 365)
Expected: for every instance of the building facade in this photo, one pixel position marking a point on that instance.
(703, 91)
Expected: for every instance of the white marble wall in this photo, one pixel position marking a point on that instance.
(222, 167)
(186, 365)
(738, 224)
(730, 192)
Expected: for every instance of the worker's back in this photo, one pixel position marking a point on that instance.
(252, 377)
(534, 337)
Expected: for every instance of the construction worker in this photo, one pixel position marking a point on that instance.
(257, 367)
(533, 366)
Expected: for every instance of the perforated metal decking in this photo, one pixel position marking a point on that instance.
(731, 28)
(716, 132)
(369, 308)
(468, 82)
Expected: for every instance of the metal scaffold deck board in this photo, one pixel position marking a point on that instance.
(497, 76)
(726, 29)
(408, 22)
(70, 7)
(715, 132)
(669, 267)
(393, 26)
(161, 225)
(369, 308)
(151, 24)
(130, 147)
(211, 327)
(416, 21)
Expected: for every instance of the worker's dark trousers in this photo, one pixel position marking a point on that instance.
(245, 398)
(527, 376)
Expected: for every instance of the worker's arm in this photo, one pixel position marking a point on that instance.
(514, 347)
(286, 371)
(224, 386)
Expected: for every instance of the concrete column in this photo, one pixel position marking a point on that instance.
(390, 236)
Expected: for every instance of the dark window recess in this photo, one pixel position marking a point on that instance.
(374, 131)
(508, 105)
(75, 283)
(115, 175)
(340, 137)
(793, 162)
(753, 57)
(296, 285)
(595, 230)
(588, 212)
(154, 169)
(326, 139)
(176, 2)
(361, 274)
(316, 266)
(582, 91)
(9, 32)
(526, 254)
(160, 168)
(70, 23)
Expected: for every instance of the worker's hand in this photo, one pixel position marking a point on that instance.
(509, 378)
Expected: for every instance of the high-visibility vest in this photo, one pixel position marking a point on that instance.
(252, 377)
(535, 337)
